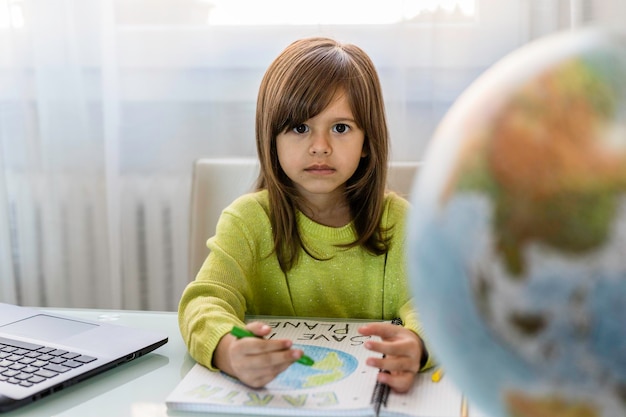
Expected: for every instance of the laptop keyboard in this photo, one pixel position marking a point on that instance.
(27, 364)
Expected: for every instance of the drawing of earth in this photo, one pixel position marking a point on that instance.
(330, 366)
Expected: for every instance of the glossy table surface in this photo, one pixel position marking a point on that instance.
(136, 389)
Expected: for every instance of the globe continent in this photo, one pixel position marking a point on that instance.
(517, 240)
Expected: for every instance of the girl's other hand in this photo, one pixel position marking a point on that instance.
(253, 360)
(403, 351)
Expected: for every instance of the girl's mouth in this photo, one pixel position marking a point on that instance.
(319, 169)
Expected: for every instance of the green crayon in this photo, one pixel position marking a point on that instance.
(240, 333)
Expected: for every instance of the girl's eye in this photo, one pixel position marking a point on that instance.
(301, 129)
(341, 128)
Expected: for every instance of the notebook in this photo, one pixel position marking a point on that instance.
(338, 383)
(42, 353)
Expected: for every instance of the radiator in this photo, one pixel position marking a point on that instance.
(66, 245)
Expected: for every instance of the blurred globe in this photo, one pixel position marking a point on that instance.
(518, 232)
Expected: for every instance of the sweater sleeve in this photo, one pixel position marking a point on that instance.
(216, 300)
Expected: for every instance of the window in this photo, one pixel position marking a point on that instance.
(11, 14)
(289, 12)
(335, 12)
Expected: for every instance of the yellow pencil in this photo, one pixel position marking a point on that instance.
(437, 375)
(464, 407)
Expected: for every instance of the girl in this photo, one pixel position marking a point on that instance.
(319, 237)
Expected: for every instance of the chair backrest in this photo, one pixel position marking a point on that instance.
(401, 176)
(217, 182)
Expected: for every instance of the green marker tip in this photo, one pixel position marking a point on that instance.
(240, 333)
(305, 360)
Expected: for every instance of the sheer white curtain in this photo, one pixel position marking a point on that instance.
(105, 104)
(57, 120)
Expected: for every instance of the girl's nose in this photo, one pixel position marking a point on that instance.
(320, 145)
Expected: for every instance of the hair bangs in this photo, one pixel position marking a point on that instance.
(311, 86)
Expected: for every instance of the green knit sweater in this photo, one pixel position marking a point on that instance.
(241, 276)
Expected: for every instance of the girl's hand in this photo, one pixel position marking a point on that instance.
(254, 361)
(403, 351)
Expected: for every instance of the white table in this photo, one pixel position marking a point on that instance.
(134, 389)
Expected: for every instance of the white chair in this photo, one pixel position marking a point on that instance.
(400, 177)
(217, 182)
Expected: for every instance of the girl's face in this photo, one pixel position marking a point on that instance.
(321, 154)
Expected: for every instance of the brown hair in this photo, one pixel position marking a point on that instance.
(298, 85)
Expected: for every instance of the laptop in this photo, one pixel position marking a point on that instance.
(42, 353)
